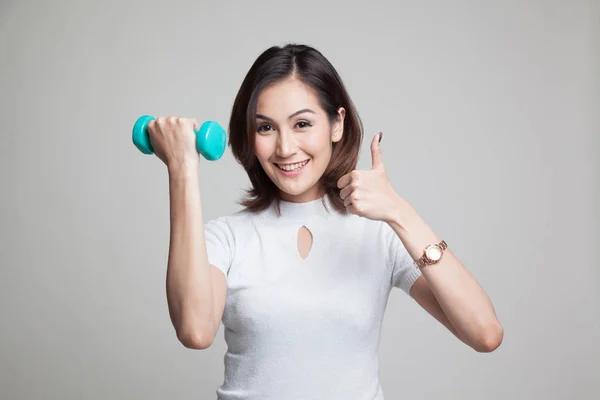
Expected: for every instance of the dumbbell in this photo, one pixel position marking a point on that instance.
(210, 138)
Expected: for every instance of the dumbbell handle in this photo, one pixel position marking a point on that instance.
(211, 138)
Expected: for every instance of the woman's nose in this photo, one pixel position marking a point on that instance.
(286, 145)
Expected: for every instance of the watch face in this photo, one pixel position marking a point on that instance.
(434, 253)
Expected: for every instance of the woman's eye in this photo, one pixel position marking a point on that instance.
(303, 124)
(264, 127)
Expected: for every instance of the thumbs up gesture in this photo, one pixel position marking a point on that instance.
(369, 193)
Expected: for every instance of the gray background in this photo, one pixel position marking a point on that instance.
(490, 119)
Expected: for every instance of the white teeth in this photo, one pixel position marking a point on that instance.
(292, 167)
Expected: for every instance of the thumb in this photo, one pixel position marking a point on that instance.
(376, 152)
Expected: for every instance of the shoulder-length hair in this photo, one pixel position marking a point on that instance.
(313, 69)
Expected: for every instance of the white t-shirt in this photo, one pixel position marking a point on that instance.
(305, 328)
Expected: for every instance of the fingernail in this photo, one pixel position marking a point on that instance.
(380, 136)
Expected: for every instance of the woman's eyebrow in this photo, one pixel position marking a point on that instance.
(304, 110)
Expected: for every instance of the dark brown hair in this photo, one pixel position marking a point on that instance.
(310, 67)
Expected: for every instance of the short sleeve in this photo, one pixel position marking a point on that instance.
(404, 271)
(219, 243)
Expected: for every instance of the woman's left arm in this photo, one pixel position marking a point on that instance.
(447, 290)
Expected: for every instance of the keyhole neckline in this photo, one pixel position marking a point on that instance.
(305, 242)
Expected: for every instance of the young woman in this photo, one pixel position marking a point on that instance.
(301, 276)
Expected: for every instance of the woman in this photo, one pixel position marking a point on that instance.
(300, 277)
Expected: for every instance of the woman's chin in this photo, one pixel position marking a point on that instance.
(299, 193)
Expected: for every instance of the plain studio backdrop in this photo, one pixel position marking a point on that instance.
(490, 119)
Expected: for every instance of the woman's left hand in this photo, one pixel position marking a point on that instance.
(370, 194)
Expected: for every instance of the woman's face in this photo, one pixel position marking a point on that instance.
(294, 138)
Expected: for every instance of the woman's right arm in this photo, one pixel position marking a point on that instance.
(196, 290)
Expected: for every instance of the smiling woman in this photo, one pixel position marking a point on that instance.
(301, 276)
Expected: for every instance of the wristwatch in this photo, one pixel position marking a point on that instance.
(432, 254)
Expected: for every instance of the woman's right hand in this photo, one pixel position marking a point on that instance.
(174, 141)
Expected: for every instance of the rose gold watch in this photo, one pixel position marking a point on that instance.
(432, 254)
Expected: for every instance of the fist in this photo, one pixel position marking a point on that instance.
(174, 140)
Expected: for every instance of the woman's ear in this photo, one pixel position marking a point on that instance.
(338, 127)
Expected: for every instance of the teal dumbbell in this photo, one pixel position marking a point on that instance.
(211, 138)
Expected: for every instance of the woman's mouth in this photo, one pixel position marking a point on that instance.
(292, 169)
